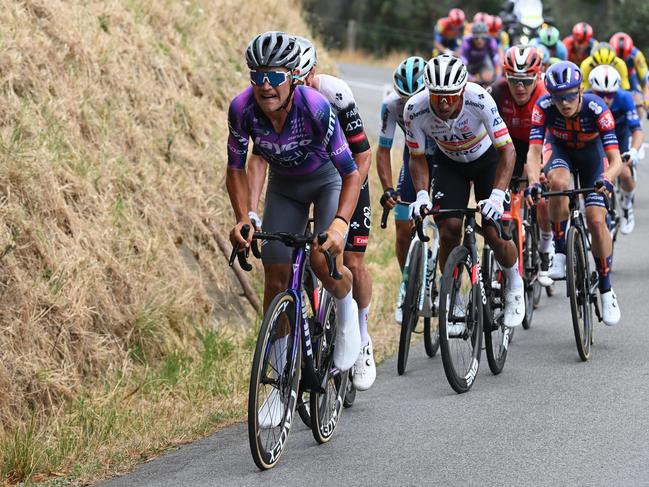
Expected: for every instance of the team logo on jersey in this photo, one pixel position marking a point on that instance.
(501, 132)
(360, 241)
(481, 96)
(595, 107)
(439, 195)
(497, 121)
(339, 96)
(354, 225)
(545, 104)
(410, 107)
(606, 121)
(474, 104)
(537, 116)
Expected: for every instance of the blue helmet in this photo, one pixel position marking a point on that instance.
(562, 76)
(408, 78)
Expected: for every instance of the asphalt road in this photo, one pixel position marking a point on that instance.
(548, 419)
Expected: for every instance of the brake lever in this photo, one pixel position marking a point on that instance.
(331, 262)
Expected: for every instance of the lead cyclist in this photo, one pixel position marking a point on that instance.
(297, 132)
(341, 99)
(474, 145)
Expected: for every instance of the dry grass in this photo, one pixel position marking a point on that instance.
(112, 158)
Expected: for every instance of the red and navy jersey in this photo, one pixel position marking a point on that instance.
(518, 118)
(593, 123)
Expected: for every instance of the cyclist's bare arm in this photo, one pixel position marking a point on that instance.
(637, 138)
(384, 167)
(614, 164)
(236, 181)
(257, 168)
(363, 160)
(533, 163)
(419, 171)
(505, 169)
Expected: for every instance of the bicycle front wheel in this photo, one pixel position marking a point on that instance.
(460, 320)
(327, 406)
(496, 335)
(274, 381)
(410, 305)
(577, 282)
(431, 328)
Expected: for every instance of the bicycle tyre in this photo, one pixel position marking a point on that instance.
(350, 392)
(496, 335)
(431, 330)
(264, 455)
(529, 277)
(410, 306)
(327, 407)
(460, 380)
(577, 282)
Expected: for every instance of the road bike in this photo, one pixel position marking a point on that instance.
(462, 304)
(419, 288)
(581, 280)
(293, 355)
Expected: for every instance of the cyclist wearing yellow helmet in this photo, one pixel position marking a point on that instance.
(602, 54)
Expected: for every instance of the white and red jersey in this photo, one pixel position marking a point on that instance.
(464, 138)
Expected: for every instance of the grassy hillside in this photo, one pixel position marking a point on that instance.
(121, 328)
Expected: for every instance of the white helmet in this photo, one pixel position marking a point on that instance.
(604, 78)
(308, 57)
(273, 49)
(445, 73)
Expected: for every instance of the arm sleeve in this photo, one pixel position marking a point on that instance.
(237, 139)
(606, 126)
(496, 128)
(388, 125)
(352, 126)
(640, 64)
(336, 143)
(537, 132)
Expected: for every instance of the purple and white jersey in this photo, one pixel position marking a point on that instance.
(310, 138)
(471, 55)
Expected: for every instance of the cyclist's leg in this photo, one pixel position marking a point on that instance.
(402, 221)
(284, 212)
(451, 189)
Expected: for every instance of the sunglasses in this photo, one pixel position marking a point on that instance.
(274, 78)
(604, 95)
(567, 97)
(449, 98)
(514, 80)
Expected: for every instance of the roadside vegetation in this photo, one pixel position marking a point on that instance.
(122, 331)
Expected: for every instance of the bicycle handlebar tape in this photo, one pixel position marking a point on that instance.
(384, 217)
(241, 254)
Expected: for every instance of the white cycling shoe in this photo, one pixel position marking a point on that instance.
(627, 222)
(364, 369)
(270, 413)
(610, 310)
(558, 268)
(398, 309)
(514, 307)
(348, 337)
(544, 272)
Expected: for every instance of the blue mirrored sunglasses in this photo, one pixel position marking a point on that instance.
(274, 78)
(566, 97)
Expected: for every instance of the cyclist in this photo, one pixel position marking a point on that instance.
(515, 96)
(448, 32)
(295, 129)
(479, 52)
(496, 31)
(581, 132)
(408, 79)
(604, 54)
(580, 43)
(341, 99)
(550, 38)
(473, 145)
(637, 66)
(605, 83)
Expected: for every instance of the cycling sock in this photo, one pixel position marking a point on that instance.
(514, 280)
(603, 265)
(363, 315)
(343, 308)
(560, 236)
(627, 199)
(545, 245)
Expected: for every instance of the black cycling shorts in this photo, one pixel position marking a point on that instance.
(452, 181)
(521, 147)
(359, 226)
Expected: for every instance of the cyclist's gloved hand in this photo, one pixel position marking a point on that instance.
(493, 207)
(533, 191)
(254, 218)
(632, 156)
(235, 235)
(422, 201)
(389, 198)
(604, 184)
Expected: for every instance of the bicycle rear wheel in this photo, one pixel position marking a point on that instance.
(577, 282)
(431, 328)
(274, 381)
(496, 335)
(326, 407)
(460, 321)
(530, 271)
(410, 305)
